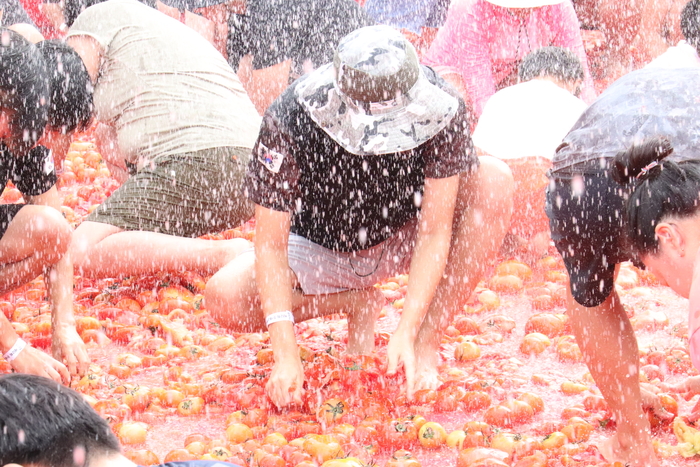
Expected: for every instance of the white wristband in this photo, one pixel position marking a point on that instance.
(279, 316)
(15, 350)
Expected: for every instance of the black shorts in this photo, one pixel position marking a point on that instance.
(586, 218)
(7, 213)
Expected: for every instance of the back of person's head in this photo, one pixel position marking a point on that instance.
(73, 8)
(660, 189)
(71, 88)
(45, 424)
(690, 23)
(24, 89)
(554, 62)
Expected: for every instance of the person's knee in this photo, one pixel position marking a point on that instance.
(231, 296)
(493, 190)
(51, 233)
(85, 237)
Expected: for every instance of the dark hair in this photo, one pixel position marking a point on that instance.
(24, 89)
(556, 62)
(660, 188)
(45, 423)
(73, 8)
(71, 88)
(690, 22)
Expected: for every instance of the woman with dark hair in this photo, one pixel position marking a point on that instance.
(663, 220)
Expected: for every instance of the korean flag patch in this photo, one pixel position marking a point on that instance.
(269, 158)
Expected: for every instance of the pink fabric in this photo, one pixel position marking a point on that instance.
(485, 43)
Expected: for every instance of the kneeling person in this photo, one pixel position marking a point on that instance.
(364, 169)
(34, 237)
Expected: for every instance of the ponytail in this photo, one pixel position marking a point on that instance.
(660, 189)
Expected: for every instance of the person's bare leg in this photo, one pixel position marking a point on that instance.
(231, 296)
(102, 250)
(484, 208)
(37, 238)
(609, 347)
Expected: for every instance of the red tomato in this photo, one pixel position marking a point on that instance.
(331, 411)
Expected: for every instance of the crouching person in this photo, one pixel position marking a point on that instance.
(364, 169)
(34, 237)
(522, 125)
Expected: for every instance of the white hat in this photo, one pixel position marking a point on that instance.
(524, 3)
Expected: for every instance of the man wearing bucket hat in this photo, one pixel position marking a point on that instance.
(483, 41)
(364, 169)
(34, 236)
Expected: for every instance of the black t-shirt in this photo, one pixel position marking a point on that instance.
(276, 30)
(13, 13)
(641, 105)
(33, 174)
(340, 200)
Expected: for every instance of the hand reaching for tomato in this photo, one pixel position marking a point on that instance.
(36, 362)
(68, 347)
(401, 351)
(286, 382)
(690, 387)
(651, 401)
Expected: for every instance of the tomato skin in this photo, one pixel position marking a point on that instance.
(132, 432)
(142, 457)
(432, 435)
(238, 433)
(500, 416)
(476, 400)
(402, 458)
(179, 455)
(533, 400)
(331, 411)
(400, 433)
(191, 406)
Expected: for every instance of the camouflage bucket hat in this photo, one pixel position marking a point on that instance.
(375, 98)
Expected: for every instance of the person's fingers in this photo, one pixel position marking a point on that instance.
(298, 390)
(410, 371)
(83, 364)
(63, 371)
(680, 387)
(392, 363)
(53, 374)
(71, 362)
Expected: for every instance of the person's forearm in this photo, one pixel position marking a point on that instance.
(427, 267)
(8, 336)
(275, 288)
(59, 281)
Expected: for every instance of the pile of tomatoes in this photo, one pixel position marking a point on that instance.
(514, 391)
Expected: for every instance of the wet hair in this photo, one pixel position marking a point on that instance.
(690, 23)
(556, 62)
(47, 424)
(73, 8)
(660, 189)
(71, 88)
(24, 89)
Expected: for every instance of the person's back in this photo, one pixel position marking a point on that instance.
(523, 125)
(535, 116)
(163, 87)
